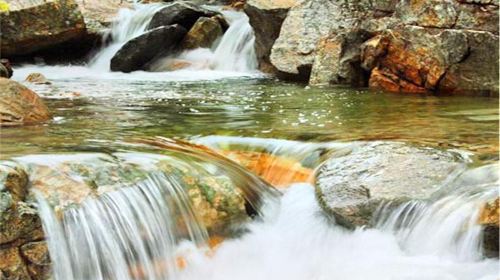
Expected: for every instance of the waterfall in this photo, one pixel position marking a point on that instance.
(234, 52)
(137, 226)
(129, 24)
(142, 231)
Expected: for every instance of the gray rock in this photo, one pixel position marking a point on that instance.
(295, 49)
(266, 18)
(354, 182)
(478, 71)
(138, 52)
(182, 13)
(338, 60)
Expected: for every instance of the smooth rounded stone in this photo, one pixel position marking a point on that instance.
(183, 13)
(37, 78)
(355, 181)
(4, 73)
(203, 34)
(33, 26)
(266, 18)
(19, 105)
(138, 52)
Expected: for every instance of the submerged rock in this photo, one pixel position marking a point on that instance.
(182, 13)
(37, 78)
(39, 26)
(354, 182)
(266, 18)
(19, 105)
(138, 52)
(203, 34)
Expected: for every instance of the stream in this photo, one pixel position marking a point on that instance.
(222, 100)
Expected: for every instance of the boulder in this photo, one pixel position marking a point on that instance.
(307, 22)
(203, 34)
(418, 59)
(478, 71)
(355, 181)
(338, 60)
(182, 13)
(138, 52)
(19, 105)
(37, 78)
(33, 27)
(266, 18)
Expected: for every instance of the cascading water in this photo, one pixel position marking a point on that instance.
(132, 233)
(234, 52)
(130, 23)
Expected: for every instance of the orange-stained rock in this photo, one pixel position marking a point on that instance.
(19, 105)
(384, 80)
(278, 171)
(490, 213)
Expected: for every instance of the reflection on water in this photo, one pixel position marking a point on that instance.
(110, 110)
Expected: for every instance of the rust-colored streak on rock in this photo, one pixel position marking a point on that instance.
(278, 171)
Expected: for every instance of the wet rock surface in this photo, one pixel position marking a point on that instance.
(203, 34)
(353, 183)
(19, 105)
(266, 18)
(183, 13)
(136, 53)
(40, 26)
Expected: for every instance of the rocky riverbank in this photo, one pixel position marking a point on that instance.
(440, 46)
(444, 46)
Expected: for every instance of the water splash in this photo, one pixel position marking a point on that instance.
(136, 226)
(129, 24)
(299, 243)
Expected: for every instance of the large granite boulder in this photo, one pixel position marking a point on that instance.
(203, 34)
(266, 18)
(138, 52)
(307, 23)
(182, 13)
(418, 59)
(38, 25)
(19, 105)
(355, 181)
(338, 60)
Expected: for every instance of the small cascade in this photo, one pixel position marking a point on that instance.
(130, 24)
(123, 234)
(234, 52)
(447, 226)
